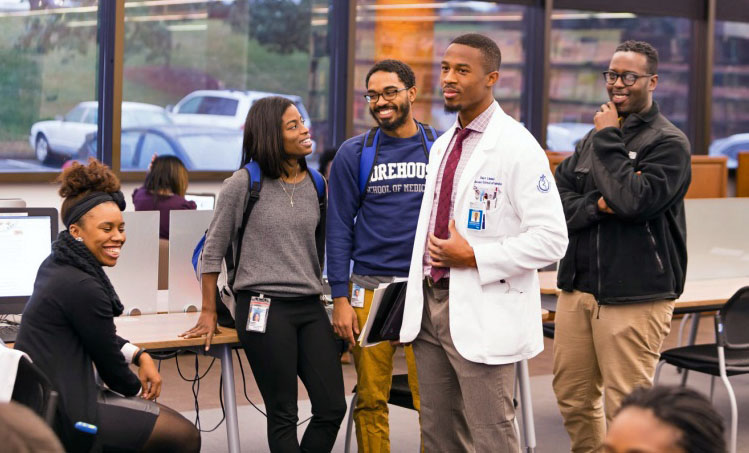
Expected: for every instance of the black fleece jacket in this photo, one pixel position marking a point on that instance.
(642, 171)
(67, 328)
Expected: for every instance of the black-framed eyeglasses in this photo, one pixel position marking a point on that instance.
(628, 78)
(388, 95)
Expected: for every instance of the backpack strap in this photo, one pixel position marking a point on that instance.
(368, 157)
(322, 192)
(429, 136)
(254, 186)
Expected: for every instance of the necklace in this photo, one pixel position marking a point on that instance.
(293, 189)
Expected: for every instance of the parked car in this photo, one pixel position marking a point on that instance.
(199, 147)
(63, 136)
(564, 136)
(225, 108)
(730, 147)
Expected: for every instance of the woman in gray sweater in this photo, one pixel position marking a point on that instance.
(280, 320)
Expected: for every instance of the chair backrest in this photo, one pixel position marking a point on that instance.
(34, 390)
(732, 321)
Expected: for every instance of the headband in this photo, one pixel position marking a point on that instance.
(91, 200)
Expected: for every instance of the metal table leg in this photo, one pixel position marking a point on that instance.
(223, 353)
(526, 405)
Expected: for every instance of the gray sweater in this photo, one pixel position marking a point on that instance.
(279, 254)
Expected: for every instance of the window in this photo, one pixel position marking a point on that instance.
(153, 144)
(47, 67)
(227, 51)
(582, 44)
(730, 121)
(418, 33)
(129, 146)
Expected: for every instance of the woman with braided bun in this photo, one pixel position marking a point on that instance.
(69, 332)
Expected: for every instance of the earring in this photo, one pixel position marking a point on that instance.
(79, 239)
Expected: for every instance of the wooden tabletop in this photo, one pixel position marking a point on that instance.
(160, 331)
(697, 293)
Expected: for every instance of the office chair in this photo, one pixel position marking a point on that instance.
(34, 390)
(728, 356)
(400, 395)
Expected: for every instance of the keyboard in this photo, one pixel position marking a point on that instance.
(9, 333)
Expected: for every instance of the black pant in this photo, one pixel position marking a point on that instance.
(298, 340)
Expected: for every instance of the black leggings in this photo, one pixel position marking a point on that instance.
(135, 424)
(298, 340)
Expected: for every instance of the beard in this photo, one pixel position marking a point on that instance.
(398, 120)
(453, 108)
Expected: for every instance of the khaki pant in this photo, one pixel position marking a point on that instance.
(465, 406)
(609, 348)
(374, 371)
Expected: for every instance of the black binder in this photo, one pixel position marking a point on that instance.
(387, 323)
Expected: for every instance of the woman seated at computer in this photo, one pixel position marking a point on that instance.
(290, 335)
(69, 332)
(164, 190)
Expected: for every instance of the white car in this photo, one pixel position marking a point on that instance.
(64, 136)
(224, 108)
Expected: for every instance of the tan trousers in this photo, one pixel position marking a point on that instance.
(374, 371)
(609, 348)
(465, 406)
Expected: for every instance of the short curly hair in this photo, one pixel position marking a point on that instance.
(402, 70)
(643, 48)
(79, 180)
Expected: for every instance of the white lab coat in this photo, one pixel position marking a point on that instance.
(493, 322)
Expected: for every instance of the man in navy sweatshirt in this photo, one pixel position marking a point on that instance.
(376, 229)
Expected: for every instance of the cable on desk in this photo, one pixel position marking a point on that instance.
(196, 388)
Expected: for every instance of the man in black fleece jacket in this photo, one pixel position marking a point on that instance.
(622, 192)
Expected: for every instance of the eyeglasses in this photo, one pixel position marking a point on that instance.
(628, 78)
(388, 95)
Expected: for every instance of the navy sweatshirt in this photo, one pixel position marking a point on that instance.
(379, 234)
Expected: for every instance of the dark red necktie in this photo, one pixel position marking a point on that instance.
(446, 191)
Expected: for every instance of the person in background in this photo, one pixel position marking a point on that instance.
(326, 161)
(279, 275)
(376, 230)
(68, 330)
(164, 190)
(623, 196)
(665, 419)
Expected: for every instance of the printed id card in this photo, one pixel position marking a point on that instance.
(357, 296)
(258, 318)
(476, 216)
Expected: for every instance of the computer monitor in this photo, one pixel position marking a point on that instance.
(205, 201)
(26, 236)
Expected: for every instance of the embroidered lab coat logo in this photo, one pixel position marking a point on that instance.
(543, 184)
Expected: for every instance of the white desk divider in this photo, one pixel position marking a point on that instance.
(185, 230)
(135, 277)
(717, 238)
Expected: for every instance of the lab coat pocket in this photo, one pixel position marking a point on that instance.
(504, 322)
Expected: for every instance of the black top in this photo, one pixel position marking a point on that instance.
(67, 328)
(639, 253)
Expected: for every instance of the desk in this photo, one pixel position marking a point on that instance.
(698, 295)
(159, 333)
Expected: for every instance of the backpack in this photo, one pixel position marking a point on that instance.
(225, 284)
(372, 147)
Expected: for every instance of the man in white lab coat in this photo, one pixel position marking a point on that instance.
(491, 216)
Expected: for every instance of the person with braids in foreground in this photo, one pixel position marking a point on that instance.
(69, 332)
(665, 419)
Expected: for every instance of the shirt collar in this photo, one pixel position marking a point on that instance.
(481, 122)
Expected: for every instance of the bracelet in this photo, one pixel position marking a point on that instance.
(136, 357)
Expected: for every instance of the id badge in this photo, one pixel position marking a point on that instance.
(476, 215)
(259, 308)
(357, 296)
